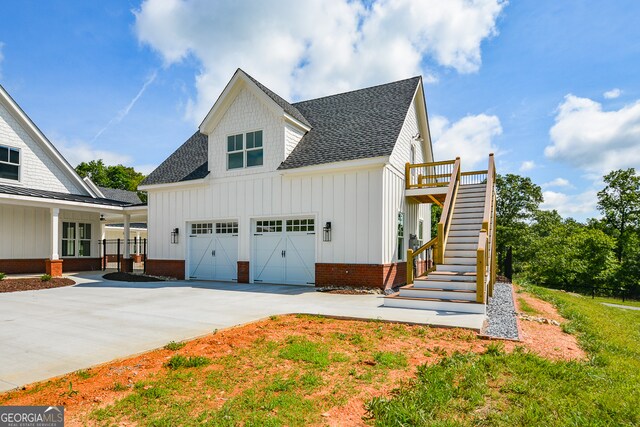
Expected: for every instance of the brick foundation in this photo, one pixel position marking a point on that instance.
(82, 264)
(23, 266)
(54, 267)
(126, 265)
(243, 271)
(381, 276)
(166, 267)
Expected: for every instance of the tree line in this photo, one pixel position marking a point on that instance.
(600, 255)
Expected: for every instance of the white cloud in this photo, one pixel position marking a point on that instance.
(79, 151)
(470, 138)
(579, 206)
(612, 94)
(558, 182)
(527, 165)
(597, 141)
(302, 49)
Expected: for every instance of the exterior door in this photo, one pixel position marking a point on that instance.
(213, 251)
(284, 251)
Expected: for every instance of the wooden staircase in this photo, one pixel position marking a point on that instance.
(465, 251)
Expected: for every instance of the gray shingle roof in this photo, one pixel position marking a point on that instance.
(187, 163)
(361, 124)
(52, 195)
(354, 125)
(288, 108)
(130, 197)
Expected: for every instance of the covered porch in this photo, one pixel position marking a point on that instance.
(47, 232)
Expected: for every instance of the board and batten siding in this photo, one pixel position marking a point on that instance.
(394, 190)
(38, 169)
(26, 231)
(351, 201)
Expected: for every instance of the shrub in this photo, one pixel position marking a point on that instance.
(45, 277)
(173, 346)
(177, 362)
(2, 276)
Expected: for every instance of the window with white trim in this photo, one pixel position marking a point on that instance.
(76, 239)
(400, 236)
(9, 163)
(269, 226)
(307, 225)
(245, 150)
(202, 228)
(226, 228)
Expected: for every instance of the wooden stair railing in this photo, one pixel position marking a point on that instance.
(486, 254)
(447, 211)
(430, 259)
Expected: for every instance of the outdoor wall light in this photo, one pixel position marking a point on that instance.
(174, 235)
(326, 232)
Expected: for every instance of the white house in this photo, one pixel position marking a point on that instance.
(310, 193)
(50, 218)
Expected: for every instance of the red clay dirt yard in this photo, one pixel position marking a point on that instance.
(293, 370)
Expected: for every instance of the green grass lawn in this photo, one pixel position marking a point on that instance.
(522, 389)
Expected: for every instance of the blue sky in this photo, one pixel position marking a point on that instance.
(551, 87)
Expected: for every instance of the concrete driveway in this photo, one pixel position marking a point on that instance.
(52, 332)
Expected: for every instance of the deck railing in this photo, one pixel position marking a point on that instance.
(424, 254)
(447, 211)
(474, 177)
(428, 175)
(486, 254)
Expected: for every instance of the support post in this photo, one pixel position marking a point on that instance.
(127, 262)
(410, 271)
(54, 263)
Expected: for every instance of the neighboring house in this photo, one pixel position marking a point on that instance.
(310, 193)
(50, 218)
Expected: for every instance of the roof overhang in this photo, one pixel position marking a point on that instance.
(42, 202)
(190, 183)
(349, 165)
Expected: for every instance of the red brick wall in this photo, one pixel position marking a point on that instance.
(394, 274)
(54, 267)
(381, 276)
(18, 266)
(82, 264)
(243, 271)
(166, 267)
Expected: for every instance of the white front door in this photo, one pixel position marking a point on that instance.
(213, 251)
(284, 251)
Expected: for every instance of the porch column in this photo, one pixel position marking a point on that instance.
(127, 262)
(54, 263)
(137, 243)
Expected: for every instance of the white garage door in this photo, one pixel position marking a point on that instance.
(284, 251)
(213, 251)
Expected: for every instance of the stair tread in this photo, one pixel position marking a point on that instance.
(462, 291)
(457, 301)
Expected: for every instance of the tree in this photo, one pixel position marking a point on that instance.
(518, 198)
(619, 202)
(118, 176)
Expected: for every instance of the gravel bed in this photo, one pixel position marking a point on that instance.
(501, 313)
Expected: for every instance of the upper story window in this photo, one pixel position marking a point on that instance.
(9, 163)
(245, 150)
